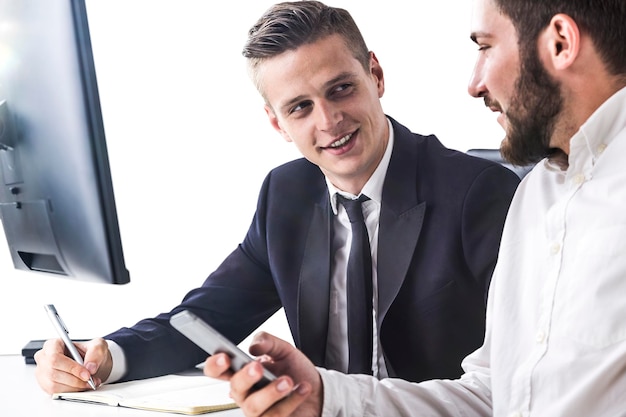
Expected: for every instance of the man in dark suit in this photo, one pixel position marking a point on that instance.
(434, 218)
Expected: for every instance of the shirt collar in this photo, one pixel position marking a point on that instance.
(597, 133)
(373, 188)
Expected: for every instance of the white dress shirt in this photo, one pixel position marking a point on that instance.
(555, 342)
(337, 342)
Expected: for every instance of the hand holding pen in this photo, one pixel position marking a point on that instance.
(64, 335)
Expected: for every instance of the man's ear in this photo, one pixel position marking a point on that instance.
(275, 123)
(377, 72)
(562, 39)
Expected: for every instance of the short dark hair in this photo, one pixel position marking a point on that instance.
(603, 20)
(289, 25)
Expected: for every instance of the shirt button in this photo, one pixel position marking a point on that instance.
(516, 414)
(555, 248)
(579, 179)
(540, 337)
(601, 147)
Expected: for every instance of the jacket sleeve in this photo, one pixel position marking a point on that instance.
(484, 210)
(235, 299)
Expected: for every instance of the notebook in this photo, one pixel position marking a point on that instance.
(189, 393)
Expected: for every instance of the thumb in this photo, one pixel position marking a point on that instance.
(285, 359)
(97, 357)
(264, 343)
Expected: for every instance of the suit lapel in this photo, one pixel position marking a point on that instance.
(401, 219)
(314, 290)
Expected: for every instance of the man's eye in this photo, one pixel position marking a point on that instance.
(342, 90)
(299, 107)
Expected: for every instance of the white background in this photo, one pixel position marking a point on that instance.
(189, 143)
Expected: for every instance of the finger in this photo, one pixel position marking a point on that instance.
(243, 382)
(295, 399)
(53, 346)
(85, 370)
(96, 350)
(97, 357)
(284, 357)
(59, 360)
(218, 366)
(56, 372)
(266, 345)
(63, 382)
(280, 398)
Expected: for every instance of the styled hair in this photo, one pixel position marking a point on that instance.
(287, 26)
(603, 20)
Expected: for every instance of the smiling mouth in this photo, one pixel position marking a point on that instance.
(339, 143)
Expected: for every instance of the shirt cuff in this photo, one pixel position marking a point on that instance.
(118, 370)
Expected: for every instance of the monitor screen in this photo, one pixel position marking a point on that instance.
(56, 199)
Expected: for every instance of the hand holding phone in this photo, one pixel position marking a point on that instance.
(209, 339)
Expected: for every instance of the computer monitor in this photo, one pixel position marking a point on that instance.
(56, 201)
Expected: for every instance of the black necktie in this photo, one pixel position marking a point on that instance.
(359, 290)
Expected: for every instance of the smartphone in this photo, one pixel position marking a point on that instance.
(209, 339)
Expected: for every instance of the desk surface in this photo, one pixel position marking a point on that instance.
(20, 396)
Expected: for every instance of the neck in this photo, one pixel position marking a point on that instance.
(580, 102)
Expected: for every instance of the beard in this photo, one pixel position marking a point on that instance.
(532, 115)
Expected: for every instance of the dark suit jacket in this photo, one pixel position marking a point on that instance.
(440, 225)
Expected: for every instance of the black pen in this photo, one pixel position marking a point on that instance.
(64, 334)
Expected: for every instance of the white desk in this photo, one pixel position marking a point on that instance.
(20, 396)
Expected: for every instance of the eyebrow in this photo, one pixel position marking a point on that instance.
(341, 77)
